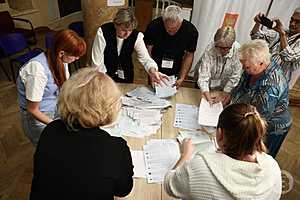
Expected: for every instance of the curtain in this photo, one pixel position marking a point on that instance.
(208, 16)
(283, 10)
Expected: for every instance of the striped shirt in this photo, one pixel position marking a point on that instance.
(217, 72)
(288, 58)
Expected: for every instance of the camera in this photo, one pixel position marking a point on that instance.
(267, 22)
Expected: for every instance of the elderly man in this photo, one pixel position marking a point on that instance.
(114, 44)
(219, 66)
(172, 41)
(284, 44)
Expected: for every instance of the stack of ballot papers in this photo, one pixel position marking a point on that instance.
(186, 117)
(143, 97)
(160, 157)
(136, 122)
(200, 139)
(209, 114)
(167, 88)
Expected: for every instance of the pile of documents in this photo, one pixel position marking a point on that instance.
(140, 115)
(166, 89)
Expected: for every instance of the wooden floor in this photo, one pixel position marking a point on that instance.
(16, 152)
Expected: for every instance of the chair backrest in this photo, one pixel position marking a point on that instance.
(6, 22)
(49, 37)
(77, 27)
(161, 5)
(12, 43)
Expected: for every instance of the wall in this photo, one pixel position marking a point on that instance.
(45, 13)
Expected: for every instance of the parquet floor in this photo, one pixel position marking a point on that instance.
(16, 152)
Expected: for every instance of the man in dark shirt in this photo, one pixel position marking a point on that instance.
(171, 42)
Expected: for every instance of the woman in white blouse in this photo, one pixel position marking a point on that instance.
(240, 169)
(41, 78)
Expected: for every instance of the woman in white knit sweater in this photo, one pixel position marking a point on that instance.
(240, 169)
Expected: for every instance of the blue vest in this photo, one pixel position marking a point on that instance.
(49, 99)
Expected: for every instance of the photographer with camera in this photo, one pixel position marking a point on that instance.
(284, 44)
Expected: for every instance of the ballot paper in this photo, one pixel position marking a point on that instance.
(139, 170)
(200, 139)
(160, 157)
(129, 124)
(144, 116)
(143, 97)
(209, 114)
(186, 117)
(167, 88)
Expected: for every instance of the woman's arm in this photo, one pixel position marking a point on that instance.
(33, 108)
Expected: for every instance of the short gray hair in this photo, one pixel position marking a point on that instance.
(255, 51)
(225, 36)
(173, 13)
(125, 16)
(297, 10)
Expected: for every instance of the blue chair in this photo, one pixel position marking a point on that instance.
(77, 27)
(49, 40)
(14, 46)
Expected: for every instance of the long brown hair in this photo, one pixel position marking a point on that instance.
(68, 41)
(244, 130)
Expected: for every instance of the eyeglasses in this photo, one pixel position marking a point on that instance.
(223, 48)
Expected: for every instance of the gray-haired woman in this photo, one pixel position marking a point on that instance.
(219, 66)
(114, 44)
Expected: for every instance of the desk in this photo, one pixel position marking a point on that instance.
(141, 189)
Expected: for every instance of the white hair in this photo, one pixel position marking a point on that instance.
(297, 10)
(173, 13)
(255, 51)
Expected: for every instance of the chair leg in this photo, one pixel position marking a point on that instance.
(12, 70)
(5, 72)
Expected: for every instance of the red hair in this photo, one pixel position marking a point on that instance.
(68, 41)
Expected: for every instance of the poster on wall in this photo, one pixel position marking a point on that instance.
(230, 19)
(115, 2)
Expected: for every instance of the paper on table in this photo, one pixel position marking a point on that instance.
(139, 169)
(166, 89)
(160, 156)
(202, 141)
(186, 117)
(209, 114)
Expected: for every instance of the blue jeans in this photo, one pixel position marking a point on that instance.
(33, 127)
(277, 131)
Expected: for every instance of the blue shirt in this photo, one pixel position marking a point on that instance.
(269, 95)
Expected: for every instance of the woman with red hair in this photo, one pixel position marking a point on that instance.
(41, 78)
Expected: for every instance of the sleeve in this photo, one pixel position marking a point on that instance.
(98, 51)
(237, 71)
(35, 80)
(66, 65)
(268, 35)
(193, 39)
(291, 54)
(142, 53)
(176, 182)
(204, 76)
(150, 34)
(124, 184)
